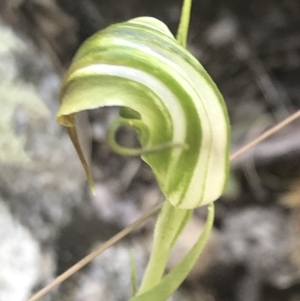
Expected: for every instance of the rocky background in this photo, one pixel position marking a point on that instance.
(48, 218)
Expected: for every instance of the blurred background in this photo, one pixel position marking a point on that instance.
(48, 218)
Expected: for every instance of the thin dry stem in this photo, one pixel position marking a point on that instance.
(79, 265)
(265, 135)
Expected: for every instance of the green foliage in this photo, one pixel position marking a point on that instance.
(179, 115)
(171, 282)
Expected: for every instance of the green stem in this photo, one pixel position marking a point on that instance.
(170, 223)
(184, 23)
(133, 273)
(173, 280)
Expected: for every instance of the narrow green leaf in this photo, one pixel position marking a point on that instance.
(173, 280)
(170, 223)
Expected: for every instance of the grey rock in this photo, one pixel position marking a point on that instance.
(20, 257)
(41, 180)
(261, 239)
(40, 176)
